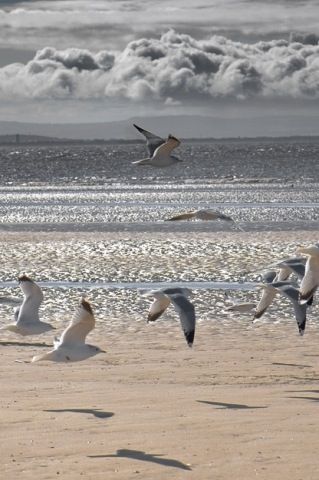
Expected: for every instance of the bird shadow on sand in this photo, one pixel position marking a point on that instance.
(93, 411)
(291, 365)
(304, 397)
(302, 391)
(234, 406)
(6, 343)
(145, 457)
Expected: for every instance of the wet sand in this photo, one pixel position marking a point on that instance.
(241, 404)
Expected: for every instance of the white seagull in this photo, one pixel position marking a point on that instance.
(27, 315)
(71, 347)
(159, 150)
(236, 306)
(310, 281)
(178, 297)
(203, 214)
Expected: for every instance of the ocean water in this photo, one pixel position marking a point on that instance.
(262, 186)
(96, 188)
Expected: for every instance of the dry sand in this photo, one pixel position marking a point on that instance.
(242, 404)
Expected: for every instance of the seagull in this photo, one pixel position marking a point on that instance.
(241, 307)
(27, 314)
(71, 347)
(178, 297)
(310, 281)
(159, 150)
(244, 307)
(203, 214)
(292, 293)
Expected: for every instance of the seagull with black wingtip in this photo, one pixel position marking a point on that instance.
(185, 309)
(159, 150)
(71, 347)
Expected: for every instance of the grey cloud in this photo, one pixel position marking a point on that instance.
(175, 68)
(304, 38)
(76, 58)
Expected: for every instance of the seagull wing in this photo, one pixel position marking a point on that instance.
(269, 277)
(29, 310)
(298, 269)
(266, 299)
(182, 216)
(207, 214)
(152, 141)
(241, 307)
(182, 290)
(158, 307)
(166, 148)
(300, 310)
(186, 312)
(81, 324)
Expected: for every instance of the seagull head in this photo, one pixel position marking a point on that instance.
(95, 350)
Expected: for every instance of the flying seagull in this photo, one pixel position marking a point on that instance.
(71, 347)
(203, 214)
(310, 281)
(184, 308)
(292, 293)
(159, 150)
(240, 307)
(27, 315)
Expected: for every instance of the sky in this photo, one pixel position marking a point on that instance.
(95, 61)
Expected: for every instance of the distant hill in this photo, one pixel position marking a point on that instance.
(181, 126)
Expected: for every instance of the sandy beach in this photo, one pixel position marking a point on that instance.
(241, 404)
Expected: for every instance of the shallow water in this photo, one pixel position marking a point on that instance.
(264, 187)
(142, 285)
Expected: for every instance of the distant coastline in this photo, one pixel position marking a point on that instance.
(24, 140)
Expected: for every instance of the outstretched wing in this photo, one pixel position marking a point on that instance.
(186, 312)
(81, 324)
(300, 310)
(182, 216)
(158, 307)
(241, 307)
(29, 310)
(269, 277)
(267, 297)
(298, 269)
(166, 148)
(153, 141)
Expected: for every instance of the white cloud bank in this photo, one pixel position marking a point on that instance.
(174, 69)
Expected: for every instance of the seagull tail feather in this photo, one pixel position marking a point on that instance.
(144, 161)
(44, 356)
